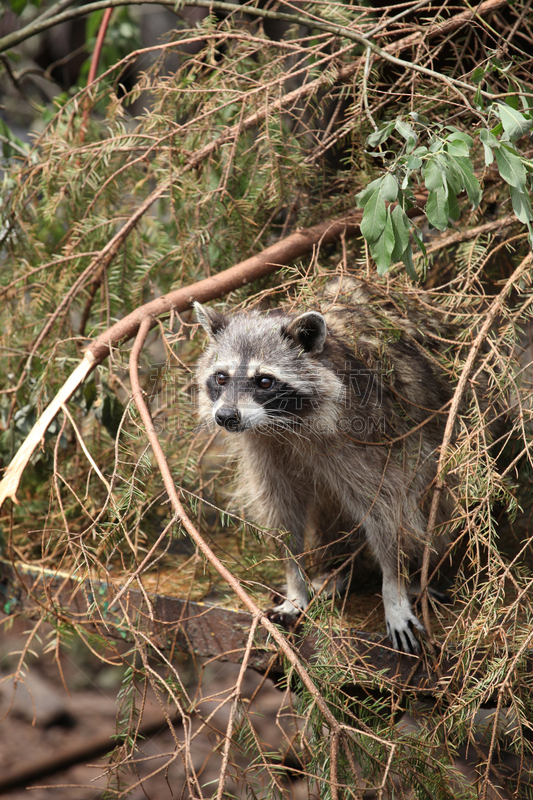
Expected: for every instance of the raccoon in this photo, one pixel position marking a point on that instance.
(335, 418)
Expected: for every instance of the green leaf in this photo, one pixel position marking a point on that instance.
(418, 239)
(464, 137)
(489, 141)
(374, 217)
(521, 205)
(511, 168)
(488, 138)
(412, 162)
(478, 75)
(454, 176)
(362, 197)
(381, 249)
(512, 100)
(437, 209)
(389, 189)
(416, 117)
(407, 258)
(373, 200)
(92, 24)
(408, 133)
(478, 100)
(514, 123)
(432, 173)
(19, 147)
(454, 211)
(489, 155)
(400, 226)
(525, 98)
(381, 135)
(407, 199)
(456, 147)
(471, 183)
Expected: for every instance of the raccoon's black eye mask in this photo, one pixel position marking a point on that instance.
(264, 382)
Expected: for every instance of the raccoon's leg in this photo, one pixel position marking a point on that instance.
(335, 540)
(334, 586)
(399, 616)
(297, 597)
(279, 507)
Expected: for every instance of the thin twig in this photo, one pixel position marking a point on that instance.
(236, 698)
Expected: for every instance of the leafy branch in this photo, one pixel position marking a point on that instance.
(445, 167)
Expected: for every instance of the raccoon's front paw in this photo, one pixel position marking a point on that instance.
(401, 626)
(285, 614)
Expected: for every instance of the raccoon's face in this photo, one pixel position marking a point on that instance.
(260, 371)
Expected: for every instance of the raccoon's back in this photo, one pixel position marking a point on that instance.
(400, 344)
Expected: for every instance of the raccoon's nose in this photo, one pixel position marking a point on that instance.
(228, 418)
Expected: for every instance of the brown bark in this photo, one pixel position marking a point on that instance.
(269, 260)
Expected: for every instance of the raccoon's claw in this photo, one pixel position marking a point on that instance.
(400, 619)
(404, 639)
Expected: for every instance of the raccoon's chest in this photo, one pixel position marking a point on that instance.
(326, 467)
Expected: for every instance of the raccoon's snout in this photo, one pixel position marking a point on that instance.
(228, 418)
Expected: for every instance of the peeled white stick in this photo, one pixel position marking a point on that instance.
(10, 482)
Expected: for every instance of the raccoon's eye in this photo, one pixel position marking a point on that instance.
(265, 382)
(221, 378)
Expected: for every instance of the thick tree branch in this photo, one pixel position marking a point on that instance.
(280, 254)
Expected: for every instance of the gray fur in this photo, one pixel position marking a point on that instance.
(350, 452)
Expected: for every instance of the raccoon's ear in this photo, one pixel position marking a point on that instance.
(309, 330)
(211, 321)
